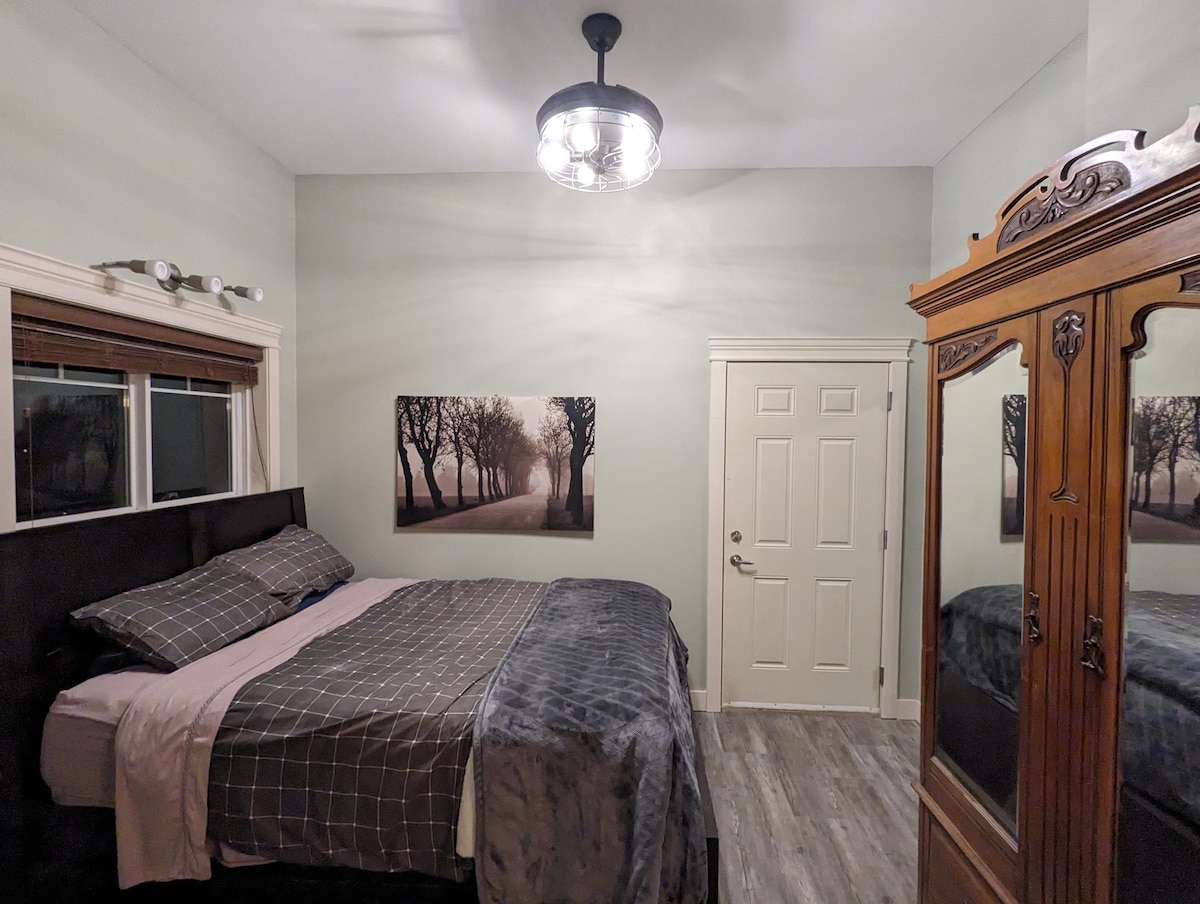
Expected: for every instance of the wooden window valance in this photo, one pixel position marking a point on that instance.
(51, 332)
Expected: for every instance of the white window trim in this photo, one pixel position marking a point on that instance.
(36, 274)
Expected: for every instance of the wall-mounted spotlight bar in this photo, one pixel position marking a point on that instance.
(171, 278)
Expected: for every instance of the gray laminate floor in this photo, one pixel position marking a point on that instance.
(813, 808)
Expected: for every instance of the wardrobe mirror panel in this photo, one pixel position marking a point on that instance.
(1159, 825)
(982, 567)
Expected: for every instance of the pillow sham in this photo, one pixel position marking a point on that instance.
(177, 621)
(293, 563)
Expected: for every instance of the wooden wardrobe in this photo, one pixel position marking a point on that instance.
(1060, 735)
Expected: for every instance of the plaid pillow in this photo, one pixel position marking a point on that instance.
(176, 621)
(293, 563)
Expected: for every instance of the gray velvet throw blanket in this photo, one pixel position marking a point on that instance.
(585, 749)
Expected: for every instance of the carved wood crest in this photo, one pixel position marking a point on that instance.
(1062, 199)
(952, 354)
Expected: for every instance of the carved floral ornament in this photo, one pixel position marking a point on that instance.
(952, 354)
(1068, 337)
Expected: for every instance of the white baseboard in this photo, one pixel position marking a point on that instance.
(908, 709)
(905, 709)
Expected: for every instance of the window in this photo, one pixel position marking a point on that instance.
(113, 414)
(190, 437)
(72, 436)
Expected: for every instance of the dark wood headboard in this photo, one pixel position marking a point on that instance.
(47, 572)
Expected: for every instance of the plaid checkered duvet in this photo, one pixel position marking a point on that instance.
(353, 752)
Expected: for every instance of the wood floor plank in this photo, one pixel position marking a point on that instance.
(813, 808)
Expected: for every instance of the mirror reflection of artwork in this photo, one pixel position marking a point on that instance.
(1012, 509)
(1164, 494)
(495, 462)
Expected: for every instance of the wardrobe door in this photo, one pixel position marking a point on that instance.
(975, 594)
(1158, 827)
(981, 581)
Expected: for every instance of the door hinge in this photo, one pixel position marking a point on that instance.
(885, 539)
(889, 400)
(881, 676)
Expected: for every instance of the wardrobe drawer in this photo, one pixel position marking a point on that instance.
(949, 877)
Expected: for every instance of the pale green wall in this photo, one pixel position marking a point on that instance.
(478, 284)
(1143, 67)
(101, 158)
(1029, 131)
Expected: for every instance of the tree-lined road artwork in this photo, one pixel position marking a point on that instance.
(1164, 493)
(495, 463)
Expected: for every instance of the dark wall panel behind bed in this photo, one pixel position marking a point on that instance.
(47, 572)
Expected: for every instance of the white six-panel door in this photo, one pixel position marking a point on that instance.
(805, 467)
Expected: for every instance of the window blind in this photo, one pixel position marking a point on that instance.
(50, 332)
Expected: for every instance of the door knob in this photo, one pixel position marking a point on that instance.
(737, 561)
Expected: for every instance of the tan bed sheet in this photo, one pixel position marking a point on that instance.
(164, 741)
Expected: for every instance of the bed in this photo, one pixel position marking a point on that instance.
(534, 710)
(979, 682)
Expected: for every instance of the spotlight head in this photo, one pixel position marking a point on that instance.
(210, 284)
(173, 280)
(159, 269)
(250, 293)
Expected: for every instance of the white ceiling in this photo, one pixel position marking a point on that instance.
(415, 86)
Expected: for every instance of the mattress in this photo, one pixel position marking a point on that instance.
(79, 736)
(980, 639)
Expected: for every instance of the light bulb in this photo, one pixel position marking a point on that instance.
(581, 137)
(634, 167)
(584, 175)
(553, 156)
(637, 140)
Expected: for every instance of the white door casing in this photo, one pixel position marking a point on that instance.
(804, 480)
(803, 627)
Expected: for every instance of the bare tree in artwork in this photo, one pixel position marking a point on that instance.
(1178, 432)
(474, 436)
(1151, 438)
(517, 458)
(457, 416)
(1014, 447)
(505, 431)
(581, 424)
(554, 445)
(423, 428)
(405, 467)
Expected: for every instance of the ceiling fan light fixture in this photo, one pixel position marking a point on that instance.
(598, 137)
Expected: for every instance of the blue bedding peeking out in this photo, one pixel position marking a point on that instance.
(313, 598)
